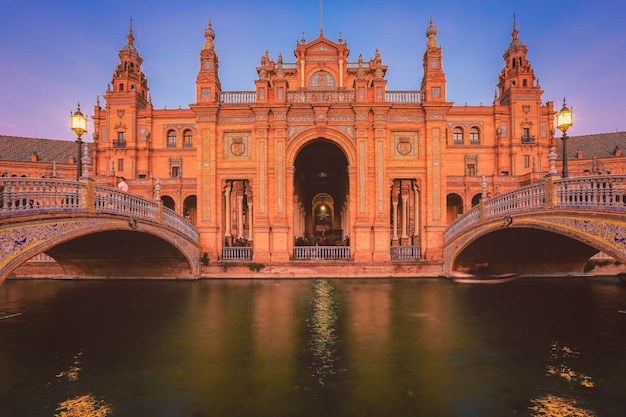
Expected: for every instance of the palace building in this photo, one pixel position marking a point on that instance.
(320, 153)
(320, 160)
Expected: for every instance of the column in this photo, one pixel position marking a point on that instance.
(240, 216)
(227, 209)
(416, 217)
(405, 200)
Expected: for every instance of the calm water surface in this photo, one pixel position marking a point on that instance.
(425, 347)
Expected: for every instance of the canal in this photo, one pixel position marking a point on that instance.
(376, 347)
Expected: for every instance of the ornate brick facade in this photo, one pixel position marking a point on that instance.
(321, 152)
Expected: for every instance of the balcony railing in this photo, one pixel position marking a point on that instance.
(236, 97)
(302, 253)
(243, 253)
(406, 252)
(403, 96)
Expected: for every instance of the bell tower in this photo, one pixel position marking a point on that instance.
(518, 75)
(128, 77)
(208, 82)
(434, 81)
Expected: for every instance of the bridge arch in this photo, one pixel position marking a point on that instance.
(93, 230)
(550, 227)
(100, 246)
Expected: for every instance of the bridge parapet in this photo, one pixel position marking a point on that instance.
(27, 196)
(600, 192)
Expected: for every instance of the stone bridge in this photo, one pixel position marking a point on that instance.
(93, 231)
(550, 227)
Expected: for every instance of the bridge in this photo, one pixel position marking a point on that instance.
(554, 226)
(93, 231)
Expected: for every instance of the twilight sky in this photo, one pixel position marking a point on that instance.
(57, 53)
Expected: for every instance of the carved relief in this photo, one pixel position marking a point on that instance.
(404, 144)
(236, 145)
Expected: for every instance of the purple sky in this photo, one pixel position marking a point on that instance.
(57, 53)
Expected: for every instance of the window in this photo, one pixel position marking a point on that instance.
(187, 139)
(470, 169)
(526, 161)
(471, 165)
(474, 136)
(458, 136)
(120, 165)
(120, 139)
(171, 139)
(176, 172)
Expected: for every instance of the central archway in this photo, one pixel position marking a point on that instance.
(321, 190)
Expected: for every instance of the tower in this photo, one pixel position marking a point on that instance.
(207, 81)
(434, 80)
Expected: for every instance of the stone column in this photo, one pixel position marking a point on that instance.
(240, 216)
(227, 209)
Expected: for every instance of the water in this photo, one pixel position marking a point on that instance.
(424, 347)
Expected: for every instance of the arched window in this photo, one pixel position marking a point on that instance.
(187, 139)
(474, 136)
(458, 136)
(171, 139)
(322, 79)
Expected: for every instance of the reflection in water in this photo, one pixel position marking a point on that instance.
(560, 355)
(310, 348)
(555, 406)
(560, 365)
(83, 406)
(323, 343)
(72, 373)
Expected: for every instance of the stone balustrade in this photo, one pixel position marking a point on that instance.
(319, 96)
(27, 196)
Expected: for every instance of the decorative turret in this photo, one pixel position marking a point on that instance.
(208, 82)
(128, 76)
(517, 74)
(434, 80)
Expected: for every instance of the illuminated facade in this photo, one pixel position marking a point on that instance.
(320, 153)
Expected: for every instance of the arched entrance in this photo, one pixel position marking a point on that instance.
(454, 207)
(190, 208)
(321, 189)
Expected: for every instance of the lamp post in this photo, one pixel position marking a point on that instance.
(78, 123)
(564, 120)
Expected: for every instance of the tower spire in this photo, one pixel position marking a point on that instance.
(131, 38)
(321, 26)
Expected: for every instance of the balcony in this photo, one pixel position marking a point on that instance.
(526, 139)
(119, 143)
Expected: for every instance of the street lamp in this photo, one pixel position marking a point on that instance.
(564, 120)
(78, 123)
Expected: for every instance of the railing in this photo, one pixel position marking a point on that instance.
(301, 253)
(403, 96)
(236, 97)
(23, 196)
(405, 252)
(242, 253)
(32, 195)
(320, 96)
(601, 192)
